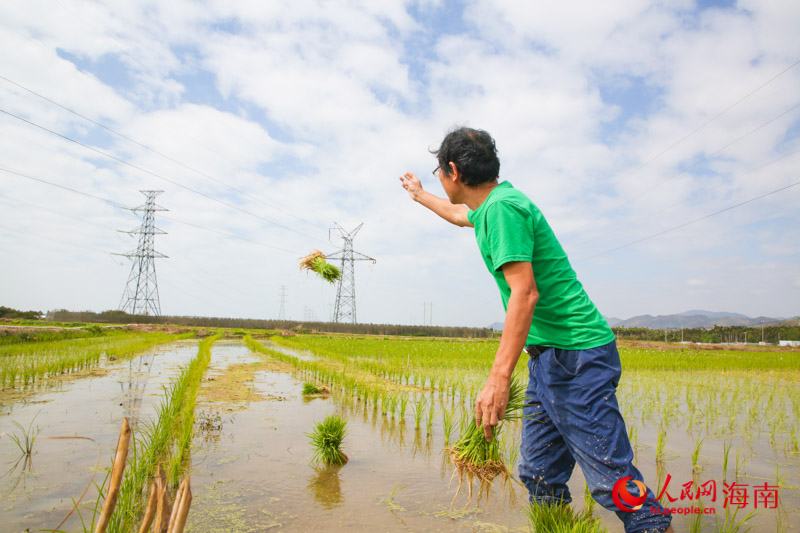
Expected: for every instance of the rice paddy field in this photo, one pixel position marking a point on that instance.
(714, 430)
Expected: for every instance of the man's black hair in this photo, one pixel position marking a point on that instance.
(474, 153)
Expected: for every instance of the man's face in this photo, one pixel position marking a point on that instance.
(448, 183)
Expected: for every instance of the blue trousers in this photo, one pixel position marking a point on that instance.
(571, 414)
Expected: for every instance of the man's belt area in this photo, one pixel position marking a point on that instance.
(535, 350)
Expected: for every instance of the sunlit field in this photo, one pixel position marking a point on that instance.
(715, 432)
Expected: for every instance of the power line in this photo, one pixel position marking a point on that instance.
(691, 133)
(53, 239)
(683, 169)
(153, 150)
(116, 204)
(132, 165)
(728, 182)
(688, 223)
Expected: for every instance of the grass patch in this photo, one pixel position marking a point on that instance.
(234, 385)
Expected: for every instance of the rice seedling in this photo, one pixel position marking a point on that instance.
(402, 405)
(447, 425)
(474, 457)
(729, 523)
(792, 444)
(389, 500)
(429, 421)
(419, 408)
(588, 500)
(327, 440)
(27, 437)
(661, 443)
(739, 466)
(557, 518)
(694, 521)
(726, 450)
(698, 443)
(315, 262)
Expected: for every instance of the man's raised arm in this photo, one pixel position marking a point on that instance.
(453, 213)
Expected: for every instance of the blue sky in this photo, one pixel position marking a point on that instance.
(266, 123)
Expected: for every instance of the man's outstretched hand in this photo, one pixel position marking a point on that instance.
(490, 406)
(412, 184)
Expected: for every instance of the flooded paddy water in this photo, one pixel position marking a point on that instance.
(38, 494)
(252, 472)
(251, 455)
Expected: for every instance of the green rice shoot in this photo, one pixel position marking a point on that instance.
(560, 518)
(327, 440)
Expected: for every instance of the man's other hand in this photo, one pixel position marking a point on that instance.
(490, 406)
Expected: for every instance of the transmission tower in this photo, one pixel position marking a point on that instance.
(282, 312)
(345, 309)
(141, 292)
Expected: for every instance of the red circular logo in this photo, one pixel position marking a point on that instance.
(624, 500)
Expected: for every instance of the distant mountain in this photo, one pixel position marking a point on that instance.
(693, 319)
(497, 326)
(710, 314)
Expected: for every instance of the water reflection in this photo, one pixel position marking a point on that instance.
(132, 385)
(326, 487)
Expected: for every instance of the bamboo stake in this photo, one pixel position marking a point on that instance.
(116, 477)
(150, 513)
(164, 506)
(183, 513)
(176, 506)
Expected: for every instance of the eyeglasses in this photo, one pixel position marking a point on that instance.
(436, 171)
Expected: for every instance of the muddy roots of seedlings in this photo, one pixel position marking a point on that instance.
(315, 262)
(485, 474)
(476, 459)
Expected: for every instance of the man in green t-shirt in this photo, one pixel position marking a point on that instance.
(571, 413)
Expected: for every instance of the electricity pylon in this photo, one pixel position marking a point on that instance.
(345, 310)
(141, 292)
(282, 312)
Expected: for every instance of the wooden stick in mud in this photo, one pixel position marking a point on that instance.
(181, 508)
(164, 506)
(150, 513)
(116, 477)
(175, 507)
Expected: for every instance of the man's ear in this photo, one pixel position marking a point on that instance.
(454, 173)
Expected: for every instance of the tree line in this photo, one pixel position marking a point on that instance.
(715, 335)
(121, 317)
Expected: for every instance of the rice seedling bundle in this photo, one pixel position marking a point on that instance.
(327, 440)
(315, 262)
(476, 459)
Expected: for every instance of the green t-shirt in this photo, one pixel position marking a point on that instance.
(509, 227)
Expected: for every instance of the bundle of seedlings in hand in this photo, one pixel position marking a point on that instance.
(473, 457)
(327, 440)
(316, 263)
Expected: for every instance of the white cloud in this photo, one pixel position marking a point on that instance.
(321, 106)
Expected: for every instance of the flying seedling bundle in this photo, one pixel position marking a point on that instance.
(316, 263)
